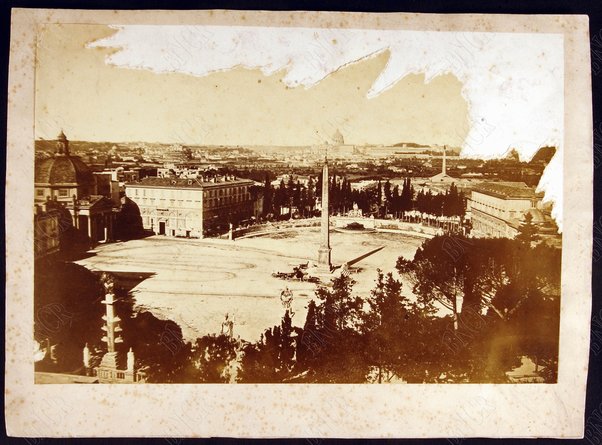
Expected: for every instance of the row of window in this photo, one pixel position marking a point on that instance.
(228, 200)
(218, 193)
(164, 193)
(489, 227)
(209, 203)
(164, 201)
(225, 192)
(489, 206)
(173, 222)
(494, 210)
(61, 192)
(486, 229)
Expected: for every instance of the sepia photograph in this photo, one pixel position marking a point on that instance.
(214, 206)
(316, 224)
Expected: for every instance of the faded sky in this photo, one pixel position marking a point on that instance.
(91, 100)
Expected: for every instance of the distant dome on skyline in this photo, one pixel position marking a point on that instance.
(337, 138)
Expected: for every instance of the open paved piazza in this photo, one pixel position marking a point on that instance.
(196, 282)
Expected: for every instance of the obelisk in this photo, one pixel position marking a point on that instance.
(324, 250)
(443, 166)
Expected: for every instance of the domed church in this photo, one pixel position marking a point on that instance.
(62, 176)
(65, 180)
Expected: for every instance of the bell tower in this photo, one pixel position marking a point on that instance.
(62, 145)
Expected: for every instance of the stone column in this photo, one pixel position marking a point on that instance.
(111, 326)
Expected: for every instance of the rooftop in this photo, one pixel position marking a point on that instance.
(87, 202)
(507, 190)
(63, 169)
(195, 183)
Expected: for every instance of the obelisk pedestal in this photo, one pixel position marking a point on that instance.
(324, 257)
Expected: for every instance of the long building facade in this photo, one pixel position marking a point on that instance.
(191, 207)
(497, 209)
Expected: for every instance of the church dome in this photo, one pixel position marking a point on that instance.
(337, 138)
(63, 168)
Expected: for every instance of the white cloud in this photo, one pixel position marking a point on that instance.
(513, 82)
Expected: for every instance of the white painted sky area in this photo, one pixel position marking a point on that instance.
(513, 82)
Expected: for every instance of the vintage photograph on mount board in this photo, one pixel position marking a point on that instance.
(298, 204)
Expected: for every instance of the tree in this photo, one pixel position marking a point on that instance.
(331, 344)
(296, 195)
(348, 194)
(332, 198)
(161, 352)
(308, 345)
(510, 296)
(267, 196)
(527, 232)
(383, 326)
(339, 309)
(272, 358)
(407, 195)
(286, 346)
(318, 190)
(388, 196)
(280, 198)
(395, 201)
(379, 195)
(213, 355)
(311, 193)
(128, 223)
(436, 273)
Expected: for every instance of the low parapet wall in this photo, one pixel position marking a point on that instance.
(343, 221)
(271, 227)
(391, 224)
(380, 225)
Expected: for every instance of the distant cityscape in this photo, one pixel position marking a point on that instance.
(357, 162)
